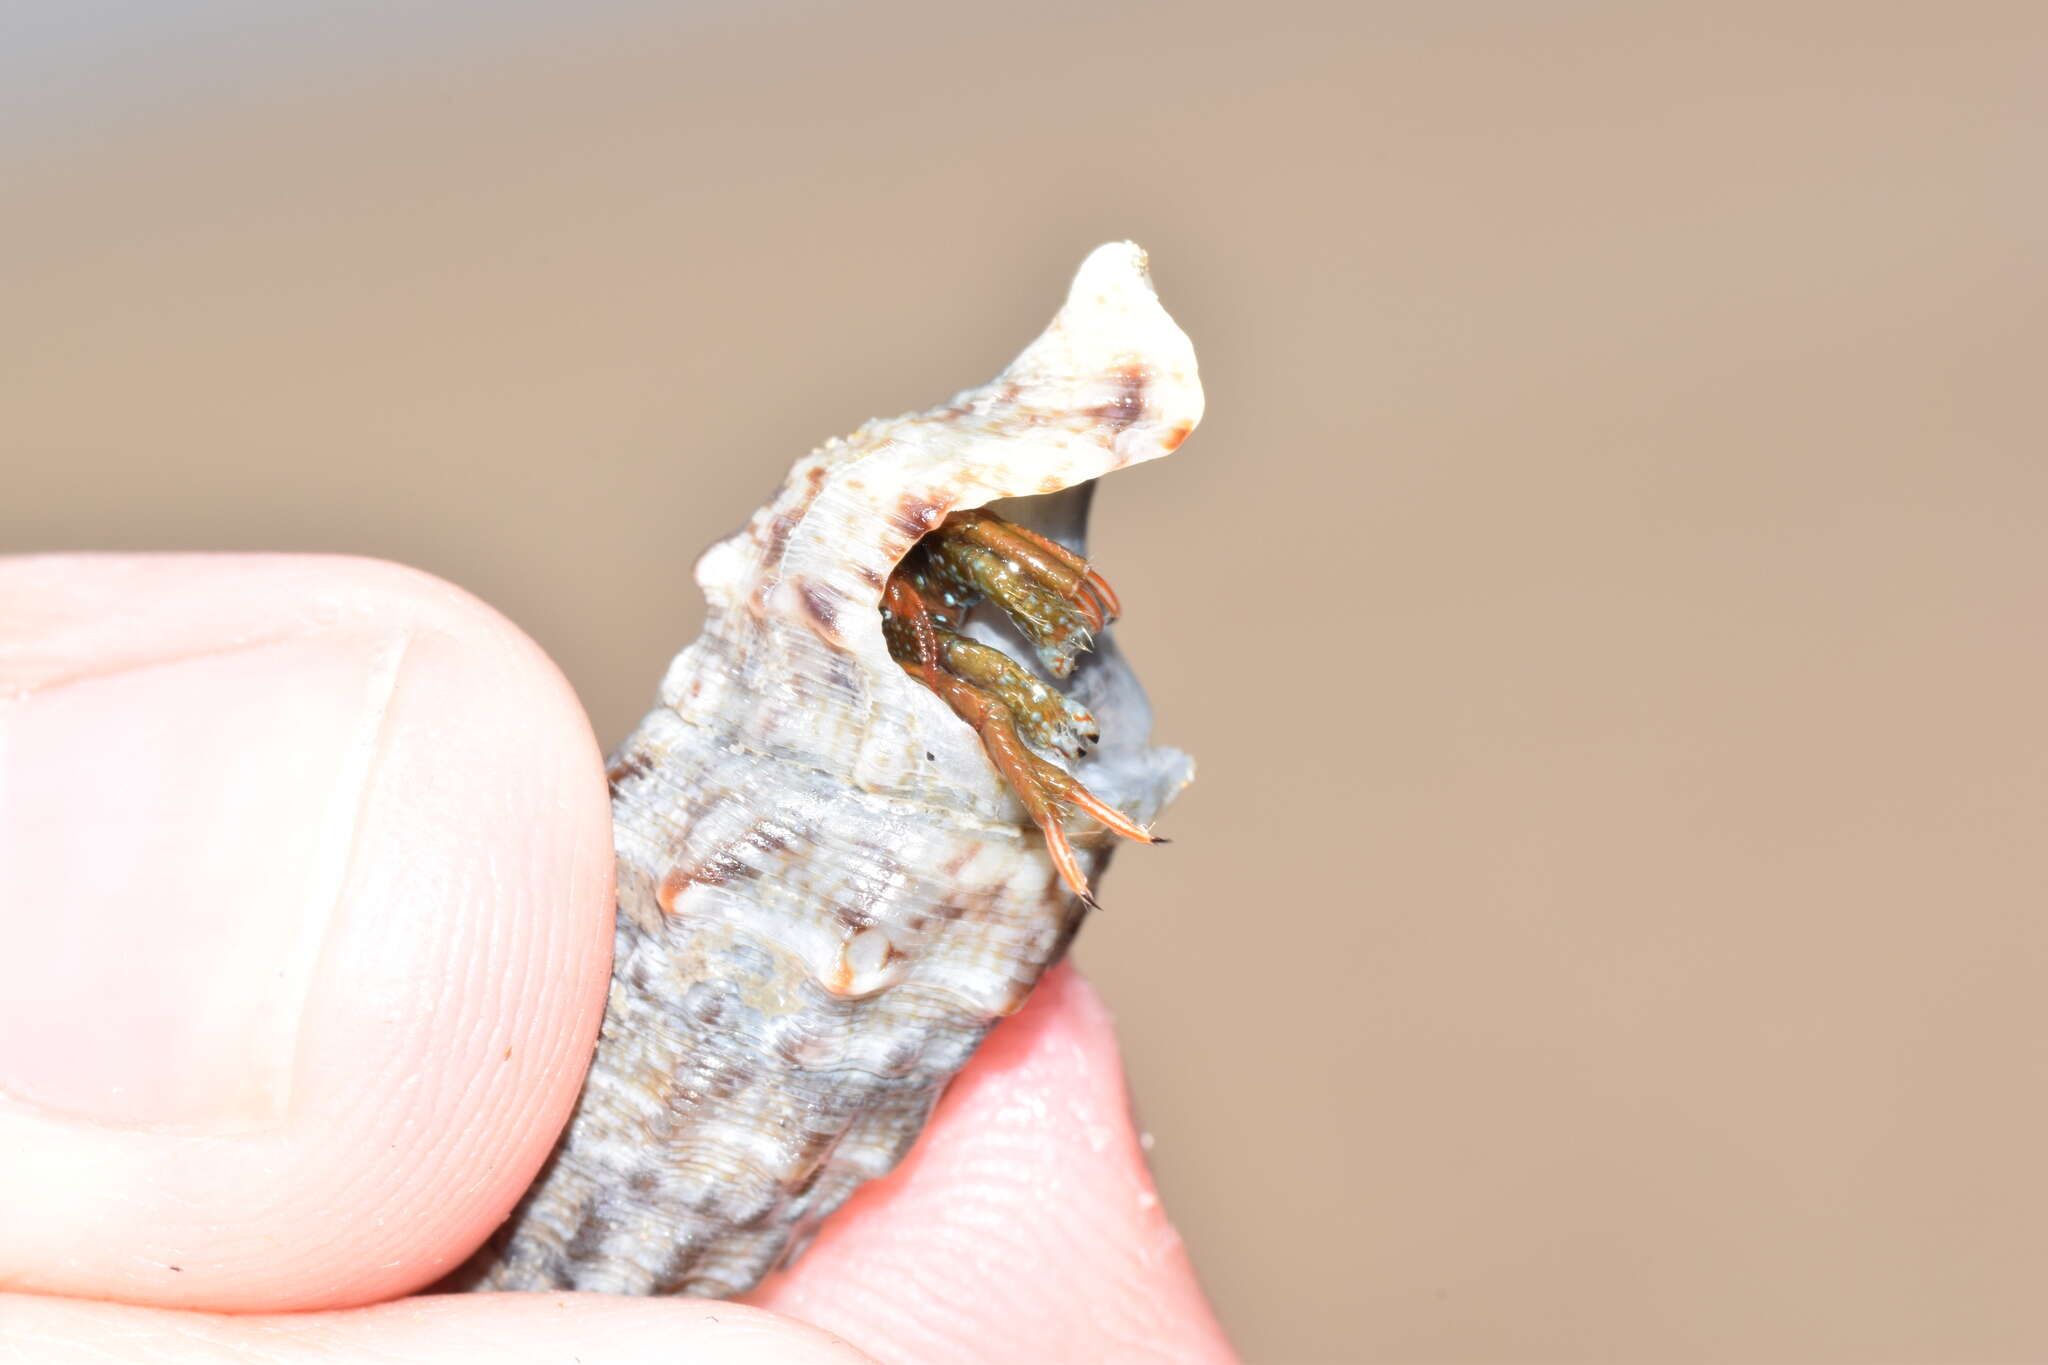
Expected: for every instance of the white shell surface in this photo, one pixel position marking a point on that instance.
(826, 893)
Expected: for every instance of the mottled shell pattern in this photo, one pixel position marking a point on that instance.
(826, 894)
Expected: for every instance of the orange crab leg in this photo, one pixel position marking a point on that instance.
(1053, 570)
(1045, 789)
(907, 604)
(1099, 585)
(1096, 582)
(1049, 561)
(1019, 766)
(1109, 815)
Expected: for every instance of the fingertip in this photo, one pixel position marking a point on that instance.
(312, 897)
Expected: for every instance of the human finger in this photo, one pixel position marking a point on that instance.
(305, 881)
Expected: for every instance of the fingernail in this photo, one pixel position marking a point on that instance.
(173, 839)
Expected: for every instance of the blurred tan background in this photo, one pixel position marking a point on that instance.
(1609, 924)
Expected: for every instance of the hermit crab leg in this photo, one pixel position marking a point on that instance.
(914, 641)
(992, 721)
(1028, 775)
(1050, 562)
(1115, 820)
(1092, 580)
(1099, 585)
(907, 606)
(1047, 719)
(962, 570)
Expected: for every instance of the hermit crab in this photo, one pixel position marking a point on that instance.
(1056, 601)
(863, 816)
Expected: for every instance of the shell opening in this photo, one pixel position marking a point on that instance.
(1121, 767)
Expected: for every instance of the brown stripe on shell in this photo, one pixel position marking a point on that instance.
(634, 763)
(589, 1235)
(780, 528)
(1129, 404)
(914, 516)
(821, 604)
(783, 524)
(728, 862)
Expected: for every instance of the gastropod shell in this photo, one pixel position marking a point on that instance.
(832, 879)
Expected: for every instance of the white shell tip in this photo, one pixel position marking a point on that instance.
(1111, 340)
(1111, 269)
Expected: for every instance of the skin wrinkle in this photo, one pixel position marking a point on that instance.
(384, 685)
(20, 689)
(483, 1089)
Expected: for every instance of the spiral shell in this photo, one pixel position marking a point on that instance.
(826, 894)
